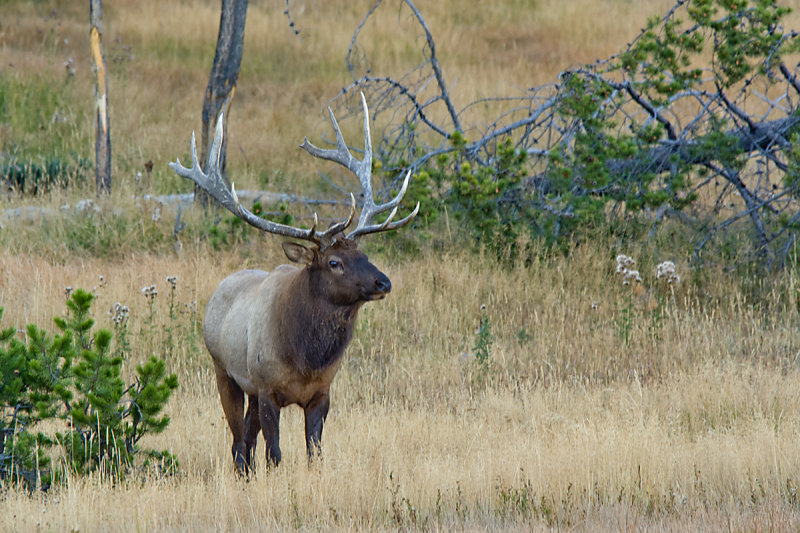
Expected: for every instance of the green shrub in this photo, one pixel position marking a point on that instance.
(38, 176)
(482, 198)
(73, 379)
(616, 147)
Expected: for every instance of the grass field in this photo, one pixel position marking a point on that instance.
(602, 407)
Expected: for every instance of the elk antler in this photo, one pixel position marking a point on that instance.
(214, 185)
(363, 169)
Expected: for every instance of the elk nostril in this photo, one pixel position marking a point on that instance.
(383, 284)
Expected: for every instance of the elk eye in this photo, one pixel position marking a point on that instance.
(333, 263)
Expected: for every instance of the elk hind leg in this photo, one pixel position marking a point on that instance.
(232, 398)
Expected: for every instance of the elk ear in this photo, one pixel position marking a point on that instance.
(297, 253)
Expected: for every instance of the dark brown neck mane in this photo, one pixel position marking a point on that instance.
(315, 332)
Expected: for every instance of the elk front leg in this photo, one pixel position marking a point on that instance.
(252, 425)
(316, 411)
(269, 413)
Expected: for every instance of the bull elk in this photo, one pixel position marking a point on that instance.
(279, 336)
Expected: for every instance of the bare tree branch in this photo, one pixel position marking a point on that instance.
(715, 136)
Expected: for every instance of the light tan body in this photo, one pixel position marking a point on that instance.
(279, 337)
(242, 331)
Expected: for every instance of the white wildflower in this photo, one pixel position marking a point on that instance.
(150, 292)
(119, 314)
(666, 271)
(631, 276)
(625, 264)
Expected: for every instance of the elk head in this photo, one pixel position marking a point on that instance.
(342, 274)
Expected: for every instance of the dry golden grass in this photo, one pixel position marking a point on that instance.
(692, 424)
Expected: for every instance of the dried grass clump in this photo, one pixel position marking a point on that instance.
(691, 425)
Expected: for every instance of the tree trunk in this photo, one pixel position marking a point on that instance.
(102, 145)
(224, 74)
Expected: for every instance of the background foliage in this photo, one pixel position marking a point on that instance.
(696, 119)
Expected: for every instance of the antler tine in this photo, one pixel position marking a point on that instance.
(363, 170)
(216, 146)
(213, 183)
(342, 153)
(371, 210)
(341, 226)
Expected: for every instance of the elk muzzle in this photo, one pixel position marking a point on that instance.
(382, 287)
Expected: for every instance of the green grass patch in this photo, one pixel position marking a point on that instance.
(37, 117)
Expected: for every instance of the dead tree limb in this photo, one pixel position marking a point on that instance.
(223, 78)
(103, 127)
(682, 118)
